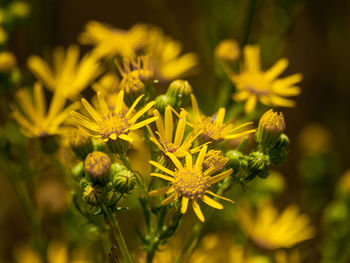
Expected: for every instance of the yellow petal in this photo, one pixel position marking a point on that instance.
(201, 156)
(198, 210)
(220, 176)
(175, 161)
(212, 202)
(162, 168)
(169, 199)
(184, 204)
(162, 191)
(91, 110)
(168, 125)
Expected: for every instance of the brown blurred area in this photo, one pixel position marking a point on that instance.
(315, 39)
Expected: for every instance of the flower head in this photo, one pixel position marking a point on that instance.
(166, 142)
(7, 62)
(216, 159)
(97, 165)
(288, 228)
(213, 128)
(253, 84)
(227, 50)
(32, 115)
(69, 76)
(112, 124)
(189, 182)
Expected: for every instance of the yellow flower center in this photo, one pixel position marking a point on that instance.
(215, 159)
(191, 183)
(170, 147)
(113, 124)
(210, 129)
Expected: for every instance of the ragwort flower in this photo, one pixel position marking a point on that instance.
(166, 142)
(32, 115)
(190, 182)
(253, 84)
(270, 230)
(113, 125)
(213, 129)
(69, 76)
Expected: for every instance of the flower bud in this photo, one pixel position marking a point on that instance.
(7, 62)
(97, 166)
(123, 179)
(77, 171)
(162, 101)
(80, 143)
(92, 194)
(235, 159)
(278, 153)
(258, 164)
(215, 159)
(181, 91)
(133, 88)
(271, 126)
(283, 142)
(227, 50)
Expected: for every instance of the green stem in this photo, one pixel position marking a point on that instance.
(118, 235)
(249, 22)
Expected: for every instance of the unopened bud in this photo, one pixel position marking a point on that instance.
(133, 88)
(181, 91)
(123, 179)
(271, 126)
(92, 194)
(235, 159)
(258, 164)
(97, 166)
(77, 171)
(162, 101)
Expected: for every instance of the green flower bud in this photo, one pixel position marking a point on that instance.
(258, 164)
(123, 179)
(283, 142)
(162, 101)
(235, 159)
(77, 171)
(180, 91)
(49, 143)
(80, 143)
(97, 166)
(278, 153)
(111, 198)
(271, 126)
(92, 194)
(133, 88)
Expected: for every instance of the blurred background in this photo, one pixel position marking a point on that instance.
(313, 35)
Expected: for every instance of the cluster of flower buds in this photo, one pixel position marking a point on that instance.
(177, 95)
(101, 180)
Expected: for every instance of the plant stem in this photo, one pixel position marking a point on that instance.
(249, 22)
(118, 235)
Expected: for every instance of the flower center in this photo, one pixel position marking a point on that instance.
(191, 183)
(210, 129)
(113, 124)
(170, 147)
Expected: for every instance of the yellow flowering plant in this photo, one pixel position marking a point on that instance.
(125, 96)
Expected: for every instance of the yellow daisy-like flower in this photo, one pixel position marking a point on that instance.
(112, 124)
(167, 143)
(109, 41)
(253, 84)
(69, 76)
(165, 55)
(213, 128)
(189, 182)
(32, 115)
(271, 230)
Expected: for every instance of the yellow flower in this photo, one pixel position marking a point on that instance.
(112, 124)
(32, 115)
(69, 76)
(213, 128)
(167, 143)
(109, 41)
(271, 230)
(253, 84)
(7, 62)
(189, 182)
(227, 50)
(165, 55)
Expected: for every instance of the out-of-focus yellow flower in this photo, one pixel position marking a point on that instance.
(112, 124)
(281, 256)
(7, 62)
(166, 143)
(344, 182)
(57, 252)
(189, 182)
(32, 115)
(227, 50)
(270, 230)
(109, 41)
(107, 84)
(165, 55)
(253, 84)
(314, 138)
(68, 76)
(213, 128)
